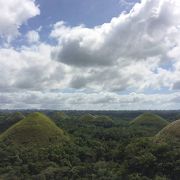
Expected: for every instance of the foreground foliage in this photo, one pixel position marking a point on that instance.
(97, 150)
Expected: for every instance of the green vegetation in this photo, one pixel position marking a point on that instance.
(7, 121)
(34, 130)
(99, 120)
(148, 124)
(87, 117)
(150, 120)
(89, 146)
(170, 133)
(57, 116)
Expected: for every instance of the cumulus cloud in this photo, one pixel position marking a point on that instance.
(144, 32)
(14, 13)
(94, 101)
(129, 52)
(32, 37)
(29, 68)
(88, 68)
(176, 85)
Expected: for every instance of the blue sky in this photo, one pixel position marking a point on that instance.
(90, 54)
(75, 12)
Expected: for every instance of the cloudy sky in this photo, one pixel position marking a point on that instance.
(77, 54)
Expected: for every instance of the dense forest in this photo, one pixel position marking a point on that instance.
(103, 145)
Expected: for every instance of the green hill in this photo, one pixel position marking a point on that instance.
(87, 117)
(34, 130)
(100, 120)
(104, 121)
(171, 132)
(149, 120)
(11, 119)
(57, 116)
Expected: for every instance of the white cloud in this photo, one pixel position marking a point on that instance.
(131, 51)
(137, 51)
(29, 68)
(13, 14)
(93, 101)
(144, 32)
(32, 37)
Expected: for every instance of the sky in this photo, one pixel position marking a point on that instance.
(90, 55)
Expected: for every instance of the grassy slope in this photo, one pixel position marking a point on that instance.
(100, 120)
(59, 116)
(36, 129)
(87, 117)
(7, 122)
(170, 132)
(149, 119)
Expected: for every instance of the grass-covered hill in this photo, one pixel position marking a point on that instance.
(170, 133)
(98, 148)
(10, 119)
(98, 120)
(57, 116)
(34, 130)
(87, 117)
(149, 120)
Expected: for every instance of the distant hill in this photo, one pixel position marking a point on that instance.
(87, 117)
(57, 116)
(34, 130)
(99, 120)
(149, 120)
(170, 133)
(9, 120)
